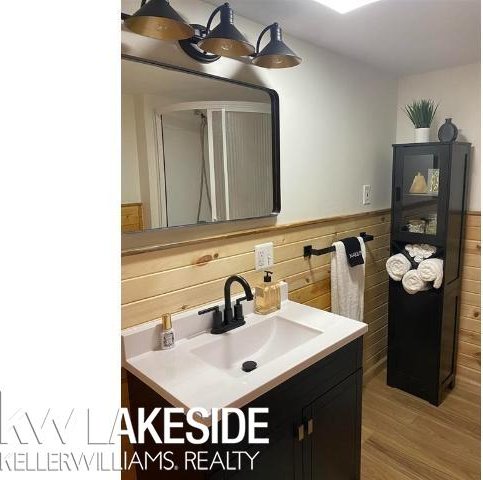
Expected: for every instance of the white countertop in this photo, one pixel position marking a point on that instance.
(186, 380)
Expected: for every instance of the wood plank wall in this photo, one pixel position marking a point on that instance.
(132, 217)
(469, 347)
(183, 277)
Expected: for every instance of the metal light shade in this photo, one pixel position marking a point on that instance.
(225, 39)
(158, 19)
(276, 54)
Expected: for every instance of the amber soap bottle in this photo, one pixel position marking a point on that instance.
(267, 296)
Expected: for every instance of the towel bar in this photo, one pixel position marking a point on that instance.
(309, 250)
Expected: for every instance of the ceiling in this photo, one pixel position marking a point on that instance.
(400, 36)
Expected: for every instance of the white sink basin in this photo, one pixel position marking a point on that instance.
(204, 370)
(261, 342)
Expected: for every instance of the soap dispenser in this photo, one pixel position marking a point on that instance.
(267, 295)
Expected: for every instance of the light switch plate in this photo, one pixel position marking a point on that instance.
(366, 195)
(263, 256)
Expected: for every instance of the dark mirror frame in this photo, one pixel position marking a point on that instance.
(275, 137)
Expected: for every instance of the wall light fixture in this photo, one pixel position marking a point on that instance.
(157, 19)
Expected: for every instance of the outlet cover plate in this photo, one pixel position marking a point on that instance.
(366, 195)
(263, 256)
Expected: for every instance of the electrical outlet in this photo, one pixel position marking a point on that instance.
(263, 256)
(366, 195)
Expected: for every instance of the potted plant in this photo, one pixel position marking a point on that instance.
(421, 114)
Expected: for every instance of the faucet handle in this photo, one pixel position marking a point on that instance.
(238, 308)
(215, 309)
(217, 318)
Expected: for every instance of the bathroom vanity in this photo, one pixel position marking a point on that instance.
(309, 376)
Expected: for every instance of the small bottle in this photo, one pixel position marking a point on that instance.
(167, 332)
(267, 295)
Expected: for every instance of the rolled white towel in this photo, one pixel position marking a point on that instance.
(413, 283)
(397, 266)
(431, 270)
(420, 251)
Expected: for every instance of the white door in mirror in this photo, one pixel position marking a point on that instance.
(263, 256)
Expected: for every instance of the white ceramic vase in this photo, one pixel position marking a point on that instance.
(421, 135)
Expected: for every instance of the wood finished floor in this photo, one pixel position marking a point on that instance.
(405, 438)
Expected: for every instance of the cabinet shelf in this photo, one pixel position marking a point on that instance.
(421, 194)
(412, 237)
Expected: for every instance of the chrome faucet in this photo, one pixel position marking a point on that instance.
(230, 320)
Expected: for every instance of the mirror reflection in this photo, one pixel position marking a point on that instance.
(195, 149)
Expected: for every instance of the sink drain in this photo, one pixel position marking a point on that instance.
(249, 366)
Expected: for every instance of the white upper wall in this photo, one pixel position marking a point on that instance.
(130, 188)
(337, 119)
(457, 90)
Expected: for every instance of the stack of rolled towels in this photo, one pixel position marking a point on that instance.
(419, 279)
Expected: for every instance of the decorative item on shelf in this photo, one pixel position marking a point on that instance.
(448, 132)
(431, 224)
(421, 113)
(433, 180)
(157, 19)
(417, 225)
(419, 185)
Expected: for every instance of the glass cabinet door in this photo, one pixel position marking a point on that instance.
(420, 175)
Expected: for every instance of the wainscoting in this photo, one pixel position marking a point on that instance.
(132, 217)
(182, 277)
(469, 347)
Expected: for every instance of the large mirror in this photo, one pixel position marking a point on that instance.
(196, 149)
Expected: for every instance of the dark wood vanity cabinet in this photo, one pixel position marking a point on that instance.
(314, 425)
(336, 419)
(423, 327)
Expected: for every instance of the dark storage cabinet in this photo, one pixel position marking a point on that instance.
(314, 425)
(428, 206)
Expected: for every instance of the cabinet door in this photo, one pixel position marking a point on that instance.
(413, 340)
(420, 192)
(449, 334)
(281, 459)
(333, 424)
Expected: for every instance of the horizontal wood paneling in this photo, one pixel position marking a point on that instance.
(132, 217)
(186, 276)
(469, 345)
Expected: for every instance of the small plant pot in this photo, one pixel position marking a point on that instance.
(421, 135)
